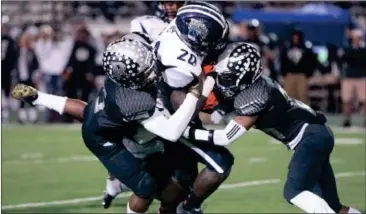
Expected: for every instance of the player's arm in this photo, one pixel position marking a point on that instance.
(222, 137)
(248, 108)
(172, 128)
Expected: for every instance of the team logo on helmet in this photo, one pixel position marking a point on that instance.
(197, 30)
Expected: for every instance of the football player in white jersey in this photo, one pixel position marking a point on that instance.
(199, 29)
(165, 12)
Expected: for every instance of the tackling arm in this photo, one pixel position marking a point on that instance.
(171, 129)
(222, 137)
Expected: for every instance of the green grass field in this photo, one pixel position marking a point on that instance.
(45, 167)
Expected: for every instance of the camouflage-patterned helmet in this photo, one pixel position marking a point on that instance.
(130, 63)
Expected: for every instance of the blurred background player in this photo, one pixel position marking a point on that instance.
(165, 11)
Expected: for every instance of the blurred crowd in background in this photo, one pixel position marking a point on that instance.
(57, 47)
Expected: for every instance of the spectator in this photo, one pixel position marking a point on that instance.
(9, 57)
(297, 64)
(79, 75)
(26, 67)
(354, 75)
(52, 53)
(261, 42)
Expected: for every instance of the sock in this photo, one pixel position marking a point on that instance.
(113, 187)
(192, 202)
(129, 209)
(54, 102)
(352, 210)
(311, 203)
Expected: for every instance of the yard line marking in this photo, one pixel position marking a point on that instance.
(68, 159)
(124, 195)
(338, 141)
(77, 126)
(258, 160)
(349, 141)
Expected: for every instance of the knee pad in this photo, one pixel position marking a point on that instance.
(146, 187)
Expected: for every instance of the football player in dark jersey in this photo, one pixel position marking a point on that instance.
(217, 159)
(261, 102)
(127, 130)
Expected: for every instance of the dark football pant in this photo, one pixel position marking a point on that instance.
(310, 166)
(216, 158)
(145, 177)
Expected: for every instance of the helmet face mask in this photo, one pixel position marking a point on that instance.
(226, 84)
(131, 63)
(167, 10)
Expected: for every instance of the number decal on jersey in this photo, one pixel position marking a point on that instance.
(99, 105)
(294, 101)
(192, 60)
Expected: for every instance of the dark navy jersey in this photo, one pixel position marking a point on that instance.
(279, 115)
(115, 111)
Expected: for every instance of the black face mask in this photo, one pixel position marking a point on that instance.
(226, 85)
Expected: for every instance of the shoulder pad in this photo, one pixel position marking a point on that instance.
(252, 100)
(130, 104)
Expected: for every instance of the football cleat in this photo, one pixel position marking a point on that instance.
(107, 200)
(181, 210)
(24, 93)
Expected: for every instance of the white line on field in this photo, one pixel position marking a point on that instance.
(338, 141)
(76, 158)
(257, 160)
(77, 126)
(123, 195)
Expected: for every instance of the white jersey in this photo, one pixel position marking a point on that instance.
(151, 25)
(179, 61)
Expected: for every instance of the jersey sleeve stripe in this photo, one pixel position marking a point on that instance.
(232, 132)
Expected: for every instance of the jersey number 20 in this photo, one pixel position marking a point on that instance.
(192, 60)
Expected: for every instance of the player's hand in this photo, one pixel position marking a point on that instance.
(197, 86)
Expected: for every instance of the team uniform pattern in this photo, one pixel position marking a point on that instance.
(278, 115)
(131, 68)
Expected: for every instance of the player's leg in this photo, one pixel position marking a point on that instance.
(125, 167)
(74, 108)
(113, 188)
(306, 167)
(218, 161)
(346, 95)
(181, 167)
(328, 187)
(62, 105)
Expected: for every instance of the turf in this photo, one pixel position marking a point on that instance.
(51, 163)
